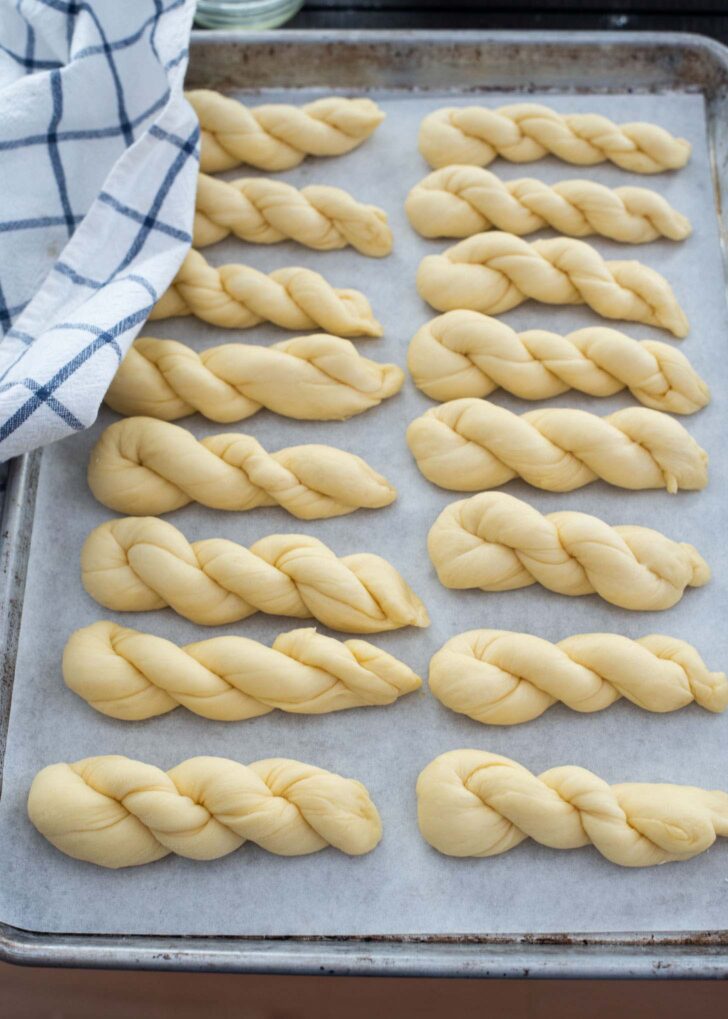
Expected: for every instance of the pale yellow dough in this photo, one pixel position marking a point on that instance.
(238, 297)
(117, 812)
(525, 132)
(502, 678)
(277, 136)
(131, 675)
(138, 564)
(464, 353)
(495, 542)
(458, 201)
(146, 467)
(311, 378)
(494, 272)
(473, 803)
(268, 211)
(470, 445)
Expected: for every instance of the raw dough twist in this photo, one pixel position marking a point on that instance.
(524, 132)
(495, 542)
(458, 201)
(116, 812)
(238, 297)
(267, 211)
(147, 467)
(503, 678)
(470, 445)
(312, 378)
(126, 674)
(472, 803)
(137, 564)
(277, 136)
(464, 353)
(494, 272)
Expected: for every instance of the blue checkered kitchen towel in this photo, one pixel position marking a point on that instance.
(98, 169)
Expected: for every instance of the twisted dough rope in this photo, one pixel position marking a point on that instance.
(130, 675)
(472, 803)
(277, 136)
(267, 211)
(495, 542)
(524, 132)
(116, 812)
(494, 272)
(146, 467)
(238, 297)
(458, 201)
(311, 378)
(470, 445)
(137, 564)
(502, 678)
(464, 353)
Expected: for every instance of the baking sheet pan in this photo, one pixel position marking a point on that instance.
(404, 887)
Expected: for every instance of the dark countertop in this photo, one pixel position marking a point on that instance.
(706, 17)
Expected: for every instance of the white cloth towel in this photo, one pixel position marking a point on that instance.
(98, 170)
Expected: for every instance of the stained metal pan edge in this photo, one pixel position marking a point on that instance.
(598, 957)
(528, 60)
(459, 60)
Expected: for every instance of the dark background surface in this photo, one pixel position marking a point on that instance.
(80, 994)
(707, 17)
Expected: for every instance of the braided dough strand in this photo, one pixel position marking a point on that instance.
(464, 353)
(131, 675)
(238, 297)
(116, 812)
(147, 467)
(470, 445)
(458, 201)
(495, 542)
(138, 564)
(278, 136)
(525, 132)
(494, 272)
(268, 211)
(502, 678)
(311, 378)
(473, 803)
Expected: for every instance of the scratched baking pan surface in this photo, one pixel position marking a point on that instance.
(404, 887)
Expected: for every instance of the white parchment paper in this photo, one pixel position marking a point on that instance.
(404, 886)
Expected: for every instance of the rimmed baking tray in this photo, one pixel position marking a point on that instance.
(441, 62)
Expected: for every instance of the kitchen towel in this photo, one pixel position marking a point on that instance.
(99, 154)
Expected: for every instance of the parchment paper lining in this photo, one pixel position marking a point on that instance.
(403, 887)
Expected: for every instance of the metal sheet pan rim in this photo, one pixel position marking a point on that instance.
(625, 955)
(427, 37)
(680, 43)
(583, 957)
